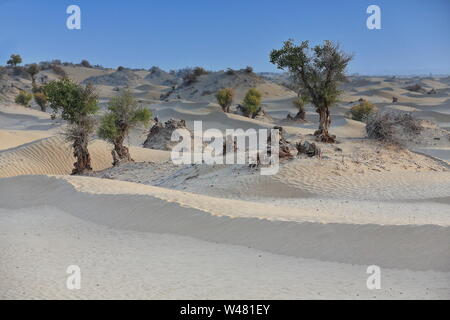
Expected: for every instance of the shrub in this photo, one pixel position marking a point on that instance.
(230, 72)
(392, 126)
(414, 88)
(120, 68)
(248, 69)
(86, 64)
(252, 103)
(225, 98)
(41, 100)
(299, 104)
(362, 111)
(24, 98)
(199, 71)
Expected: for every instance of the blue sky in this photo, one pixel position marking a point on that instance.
(414, 39)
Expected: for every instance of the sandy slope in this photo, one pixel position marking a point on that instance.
(126, 208)
(309, 231)
(53, 156)
(123, 264)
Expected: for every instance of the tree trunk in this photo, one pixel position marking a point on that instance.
(300, 115)
(324, 124)
(120, 153)
(83, 158)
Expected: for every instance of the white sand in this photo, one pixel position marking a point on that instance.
(167, 232)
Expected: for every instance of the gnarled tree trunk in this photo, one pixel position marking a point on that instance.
(121, 153)
(83, 158)
(324, 124)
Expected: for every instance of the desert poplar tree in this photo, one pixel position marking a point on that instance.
(318, 71)
(225, 98)
(78, 105)
(124, 113)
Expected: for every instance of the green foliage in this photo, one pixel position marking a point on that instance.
(362, 111)
(123, 113)
(86, 64)
(73, 100)
(199, 71)
(225, 98)
(15, 60)
(33, 70)
(318, 70)
(252, 103)
(248, 69)
(24, 98)
(41, 100)
(300, 102)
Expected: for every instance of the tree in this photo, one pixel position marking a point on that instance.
(15, 60)
(78, 105)
(123, 114)
(33, 70)
(24, 98)
(225, 98)
(318, 71)
(252, 103)
(86, 64)
(41, 100)
(300, 103)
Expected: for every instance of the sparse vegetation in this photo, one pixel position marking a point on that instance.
(24, 98)
(252, 103)
(85, 64)
(362, 111)
(230, 72)
(299, 103)
(58, 70)
(33, 70)
(318, 72)
(199, 71)
(78, 105)
(248, 69)
(225, 98)
(123, 114)
(414, 88)
(14, 60)
(41, 100)
(390, 126)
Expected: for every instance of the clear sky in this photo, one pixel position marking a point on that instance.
(172, 34)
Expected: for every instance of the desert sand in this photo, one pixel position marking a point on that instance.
(154, 230)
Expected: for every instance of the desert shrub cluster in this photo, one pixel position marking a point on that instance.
(361, 112)
(392, 126)
(24, 98)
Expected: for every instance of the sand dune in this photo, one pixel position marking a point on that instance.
(316, 224)
(53, 156)
(407, 247)
(13, 138)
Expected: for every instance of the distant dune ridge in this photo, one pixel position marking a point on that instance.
(154, 230)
